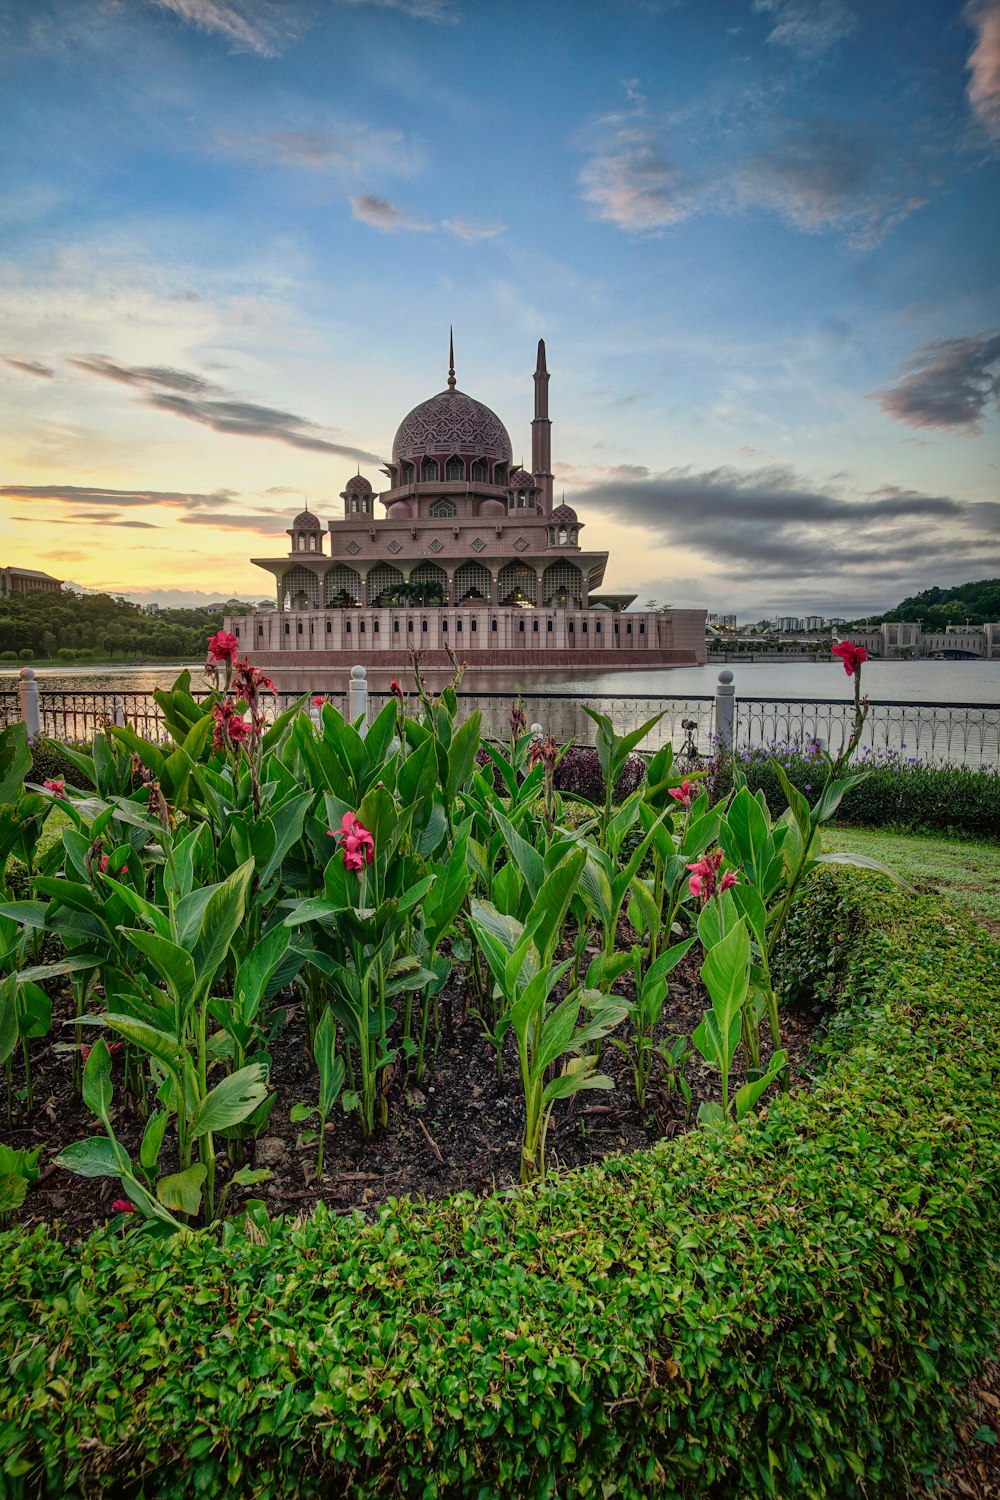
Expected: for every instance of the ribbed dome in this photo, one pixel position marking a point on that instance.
(306, 521)
(522, 480)
(563, 513)
(357, 485)
(448, 423)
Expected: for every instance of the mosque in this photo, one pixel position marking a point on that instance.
(469, 555)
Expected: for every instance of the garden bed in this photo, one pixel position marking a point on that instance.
(458, 1129)
(783, 1309)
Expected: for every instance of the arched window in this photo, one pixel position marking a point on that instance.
(409, 474)
(430, 469)
(341, 587)
(499, 473)
(472, 581)
(354, 506)
(493, 624)
(260, 630)
(520, 500)
(480, 471)
(520, 626)
(303, 587)
(442, 508)
(562, 536)
(384, 582)
(455, 468)
(562, 584)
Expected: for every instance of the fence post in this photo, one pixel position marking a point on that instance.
(27, 692)
(357, 697)
(119, 712)
(725, 711)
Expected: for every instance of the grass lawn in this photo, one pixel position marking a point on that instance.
(967, 872)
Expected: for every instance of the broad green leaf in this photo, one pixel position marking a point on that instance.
(181, 1191)
(747, 1096)
(91, 1158)
(97, 1080)
(15, 761)
(170, 962)
(223, 916)
(230, 1101)
(863, 862)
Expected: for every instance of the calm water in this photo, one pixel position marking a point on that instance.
(903, 681)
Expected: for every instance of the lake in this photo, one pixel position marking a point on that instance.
(884, 681)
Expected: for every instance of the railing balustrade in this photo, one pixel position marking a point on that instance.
(957, 733)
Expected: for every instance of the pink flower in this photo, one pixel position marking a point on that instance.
(705, 877)
(57, 788)
(356, 842)
(250, 681)
(852, 656)
(318, 701)
(684, 794)
(122, 1206)
(230, 727)
(223, 646)
(103, 866)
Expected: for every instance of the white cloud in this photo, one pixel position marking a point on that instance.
(249, 25)
(984, 63)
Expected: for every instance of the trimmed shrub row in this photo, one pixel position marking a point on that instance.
(781, 1311)
(898, 793)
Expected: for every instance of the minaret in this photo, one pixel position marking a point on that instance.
(541, 432)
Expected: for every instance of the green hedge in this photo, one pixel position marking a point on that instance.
(917, 797)
(784, 1311)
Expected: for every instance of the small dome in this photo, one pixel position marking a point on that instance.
(563, 513)
(399, 510)
(357, 485)
(448, 423)
(306, 521)
(493, 508)
(521, 480)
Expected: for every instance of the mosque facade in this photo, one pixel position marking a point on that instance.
(465, 552)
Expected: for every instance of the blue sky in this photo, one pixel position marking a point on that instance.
(758, 236)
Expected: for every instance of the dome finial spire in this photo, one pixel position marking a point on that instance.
(451, 360)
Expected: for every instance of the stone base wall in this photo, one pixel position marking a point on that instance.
(480, 634)
(274, 660)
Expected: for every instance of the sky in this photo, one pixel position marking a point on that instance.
(759, 238)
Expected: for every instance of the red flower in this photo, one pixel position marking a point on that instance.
(223, 647)
(86, 1051)
(852, 656)
(704, 877)
(122, 1206)
(683, 793)
(729, 879)
(250, 681)
(230, 727)
(318, 701)
(395, 688)
(103, 866)
(57, 788)
(356, 842)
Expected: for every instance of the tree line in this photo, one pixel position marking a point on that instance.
(70, 626)
(977, 601)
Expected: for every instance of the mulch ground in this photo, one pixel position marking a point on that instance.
(458, 1128)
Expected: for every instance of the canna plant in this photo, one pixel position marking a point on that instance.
(613, 750)
(645, 1012)
(186, 947)
(553, 1036)
(360, 933)
(331, 1081)
(726, 975)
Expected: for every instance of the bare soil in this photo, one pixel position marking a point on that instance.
(458, 1128)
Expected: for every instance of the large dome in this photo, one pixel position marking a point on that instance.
(452, 422)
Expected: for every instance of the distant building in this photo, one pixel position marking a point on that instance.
(903, 639)
(788, 622)
(26, 581)
(815, 622)
(471, 556)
